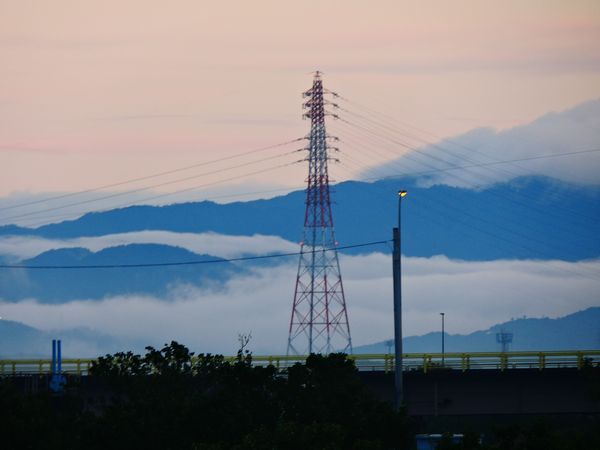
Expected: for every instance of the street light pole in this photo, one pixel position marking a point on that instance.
(443, 336)
(397, 268)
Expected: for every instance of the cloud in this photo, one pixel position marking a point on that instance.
(474, 295)
(574, 130)
(224, 246)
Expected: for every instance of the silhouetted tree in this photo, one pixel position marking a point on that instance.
(170, 398)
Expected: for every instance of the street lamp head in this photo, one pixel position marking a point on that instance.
(402, 193)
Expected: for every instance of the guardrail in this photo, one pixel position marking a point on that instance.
(424, 362)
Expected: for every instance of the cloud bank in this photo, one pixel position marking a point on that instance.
(223, 246)
(574, 130)
(474, 295)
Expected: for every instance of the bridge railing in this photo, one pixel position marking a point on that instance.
(424, 362)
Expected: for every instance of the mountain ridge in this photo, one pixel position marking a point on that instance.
(576, 331)
(58, 286)
(509, 220)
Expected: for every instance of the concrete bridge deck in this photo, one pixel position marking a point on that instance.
(444, 392)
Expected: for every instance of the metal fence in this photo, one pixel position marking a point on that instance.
(424, 362)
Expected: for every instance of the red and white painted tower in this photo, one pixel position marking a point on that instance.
(319, 322)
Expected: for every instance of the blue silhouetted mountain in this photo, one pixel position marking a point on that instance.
(18, 340)
(578, 331)
(528, 217)
(14, 230)
(59, 285)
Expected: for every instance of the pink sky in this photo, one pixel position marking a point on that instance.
(99, 91)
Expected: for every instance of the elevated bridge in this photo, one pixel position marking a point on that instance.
(443, 392)
(413, 362)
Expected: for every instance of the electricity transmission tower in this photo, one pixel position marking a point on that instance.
(504, 338)
(319, 321)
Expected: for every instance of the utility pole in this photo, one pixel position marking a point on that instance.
(443, 337)
(397, 270)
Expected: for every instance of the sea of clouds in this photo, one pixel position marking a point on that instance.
(223, 246)
(474, 295)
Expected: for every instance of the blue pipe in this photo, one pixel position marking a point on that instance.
(53, 356)
(58, 357)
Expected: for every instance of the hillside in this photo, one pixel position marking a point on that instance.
(21, 341)
(578, 331)
(528, 217)
(57, 286)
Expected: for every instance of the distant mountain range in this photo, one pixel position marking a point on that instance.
(58, 286)
(21, 341)
(578, 331)
(528, 217)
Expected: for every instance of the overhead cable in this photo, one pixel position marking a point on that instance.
(190, 263)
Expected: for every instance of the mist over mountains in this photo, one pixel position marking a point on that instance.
(18, 340)
(509, 246)
(526, 218)
(60, 286)
(578, 331)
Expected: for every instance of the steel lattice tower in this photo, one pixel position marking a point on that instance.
(319, 321)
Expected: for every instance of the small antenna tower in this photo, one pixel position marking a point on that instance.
(504, 338)
(319, 322)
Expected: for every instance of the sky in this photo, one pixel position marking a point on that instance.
(96, 92)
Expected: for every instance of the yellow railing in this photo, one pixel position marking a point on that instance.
(424, 362)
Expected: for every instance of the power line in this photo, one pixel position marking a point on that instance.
(132, 191)
(393, 121)
(289, 189)
(468, 224)
(394, 128)
(155, 175)
(475, 165)
(432, 171)
(197, 262)
(193, 188)
(383, 177)
(518, 232)
(435, 169)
